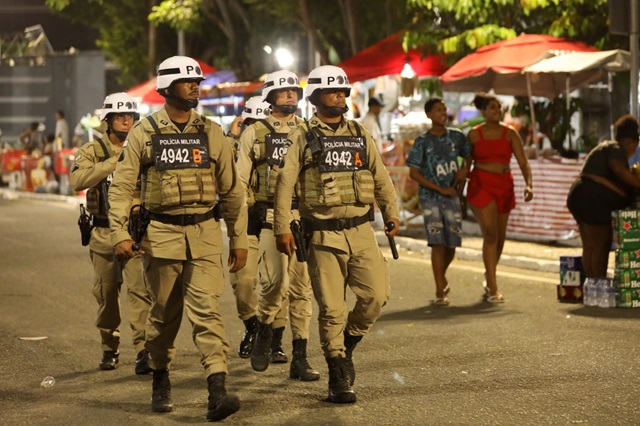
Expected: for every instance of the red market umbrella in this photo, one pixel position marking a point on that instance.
(147, 94)
(388, 57)
(499, 66)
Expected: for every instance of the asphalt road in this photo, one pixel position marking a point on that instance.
(531, 361)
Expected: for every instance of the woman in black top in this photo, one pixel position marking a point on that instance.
(605, 184)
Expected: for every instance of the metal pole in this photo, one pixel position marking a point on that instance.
(181, 48)
(568, 107)
(534, 132)
(633, 47)
(610, 89)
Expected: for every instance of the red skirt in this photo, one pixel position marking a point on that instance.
(485, 187)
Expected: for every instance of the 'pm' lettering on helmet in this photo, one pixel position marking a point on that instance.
(340, 80)
(190, 68)
(290, 80)
(127, 105)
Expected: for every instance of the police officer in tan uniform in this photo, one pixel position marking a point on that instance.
(284, 281)
(93, 169)
(185, 163)
(244, 282)
(340, 174)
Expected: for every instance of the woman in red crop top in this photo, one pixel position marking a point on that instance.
(490, 192)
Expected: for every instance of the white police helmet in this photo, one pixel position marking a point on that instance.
(327, 77)
(119, 103)
(254, 107)
(282, 79)
(177, 68)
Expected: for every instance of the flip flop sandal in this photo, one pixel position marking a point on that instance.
(441, 301)
(496, 298)
(446, 290)
(487, 292)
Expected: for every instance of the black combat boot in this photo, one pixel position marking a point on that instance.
(221, 404)
(340, 391)
(261, 346)
(142, 363)
(276, 353)
(109, 360)
(251, 327)
(350, 343)
(300, 368)
(161, 398)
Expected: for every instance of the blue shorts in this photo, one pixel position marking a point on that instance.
(443, 221)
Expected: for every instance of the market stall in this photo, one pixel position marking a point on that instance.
(389, 57)
(546, 217)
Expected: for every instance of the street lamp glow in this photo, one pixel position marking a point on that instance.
(267, 49)
(284, 57)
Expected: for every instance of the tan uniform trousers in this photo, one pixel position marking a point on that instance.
(194, 285)
(107, 293)
(284, 281)
(358, 263)
(244, 282)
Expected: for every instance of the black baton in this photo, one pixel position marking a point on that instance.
(392, 241)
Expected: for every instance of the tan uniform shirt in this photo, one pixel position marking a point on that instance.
(173, 241)
(87, 172)
(297, 156)
(248, 153)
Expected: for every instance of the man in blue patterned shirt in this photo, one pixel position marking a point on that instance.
(433, 163)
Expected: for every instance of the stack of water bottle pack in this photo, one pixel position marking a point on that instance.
(599, 292)
(626, 239)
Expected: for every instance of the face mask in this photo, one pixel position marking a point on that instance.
(120, 135)
(335, 111)
(188, 103)
(288, 109)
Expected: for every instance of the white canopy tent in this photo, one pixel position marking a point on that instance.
(574, 70)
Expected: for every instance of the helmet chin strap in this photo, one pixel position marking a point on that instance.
(188, 103)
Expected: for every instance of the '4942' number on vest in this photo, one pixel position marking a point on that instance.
(276, 145)
(181, 151)
(342, 154)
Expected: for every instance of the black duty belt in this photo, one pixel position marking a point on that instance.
(182, 219)
(269, 204)
(333, 224)
(98, 222)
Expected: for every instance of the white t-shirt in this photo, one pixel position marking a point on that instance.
(370, 122)
(62, 131)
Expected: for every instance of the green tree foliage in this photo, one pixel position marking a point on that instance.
(458, 27)
(123, 32)
(178, 14)
(552, 117)
(232, 33)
